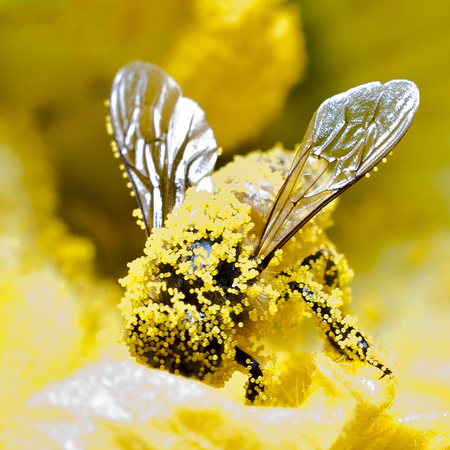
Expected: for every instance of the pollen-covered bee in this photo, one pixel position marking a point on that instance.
(227, 252)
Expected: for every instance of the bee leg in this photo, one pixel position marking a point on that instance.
(330, 276)
(343, 336)
(255, 373)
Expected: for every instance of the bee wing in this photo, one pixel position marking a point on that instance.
(348, 136)
(165, 143)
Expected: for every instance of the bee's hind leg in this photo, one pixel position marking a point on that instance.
(255, 374)
(340, 332)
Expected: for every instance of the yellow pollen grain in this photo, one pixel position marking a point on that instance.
(109, 127)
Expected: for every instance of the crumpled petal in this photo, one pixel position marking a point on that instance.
(56, 315)
(123, 405)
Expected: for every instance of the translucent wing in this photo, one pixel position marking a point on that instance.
(347, 137)
(164, 140)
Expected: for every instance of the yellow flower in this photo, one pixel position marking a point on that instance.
(231, 41)
(120, 405)
(56, 315)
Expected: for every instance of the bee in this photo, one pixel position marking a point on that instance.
(228, 251)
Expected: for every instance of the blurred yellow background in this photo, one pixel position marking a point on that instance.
(59, 59)
(350, 43)
(238, 59)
